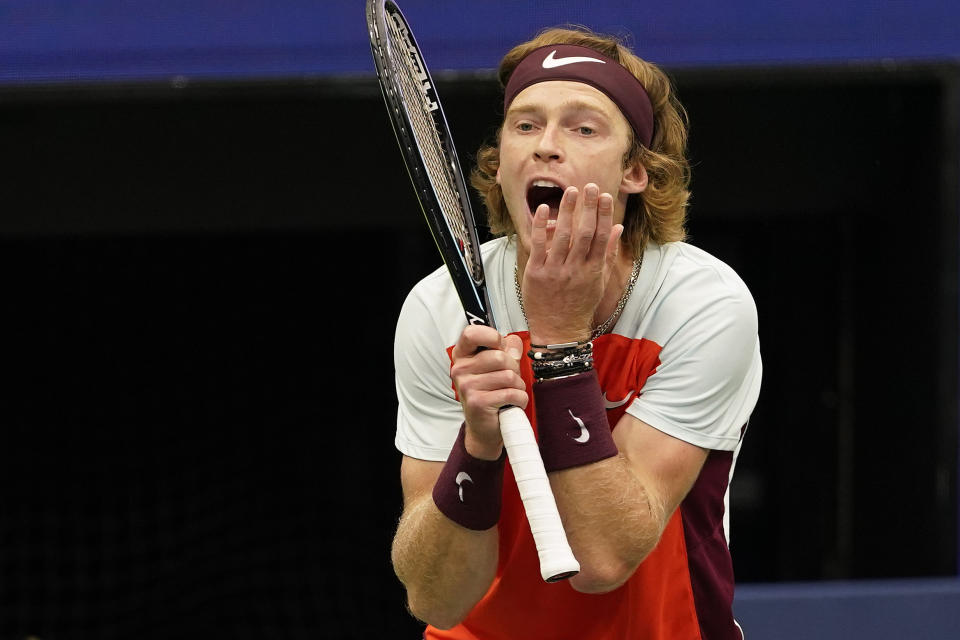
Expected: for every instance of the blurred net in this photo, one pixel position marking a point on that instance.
(179, 454)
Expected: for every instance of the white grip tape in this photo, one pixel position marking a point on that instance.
(556, 558)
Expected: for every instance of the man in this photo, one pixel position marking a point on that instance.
(634, 354)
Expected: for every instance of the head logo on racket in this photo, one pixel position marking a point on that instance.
(418, 65)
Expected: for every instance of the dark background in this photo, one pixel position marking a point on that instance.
(200, 287)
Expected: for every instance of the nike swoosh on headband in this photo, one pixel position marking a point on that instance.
(609, 77)
(550, 62)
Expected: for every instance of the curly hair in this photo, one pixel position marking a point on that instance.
(657, 214)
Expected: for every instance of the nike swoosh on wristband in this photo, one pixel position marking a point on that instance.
(461, 477)
(551, 62)
(613, 404)
(584, 434)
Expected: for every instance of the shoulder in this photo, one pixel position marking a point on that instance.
(686, 268)
(706, 378)
(430, 310)
(430, 288)
(689, 282)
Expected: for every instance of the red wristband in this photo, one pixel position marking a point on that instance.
(469, 490)
(572, 422)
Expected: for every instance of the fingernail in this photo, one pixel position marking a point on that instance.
(514, 353)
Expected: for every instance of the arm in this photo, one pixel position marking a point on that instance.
(614, 510)
(447, 567)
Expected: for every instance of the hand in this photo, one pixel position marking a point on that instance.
(486, 375)
(565, 277)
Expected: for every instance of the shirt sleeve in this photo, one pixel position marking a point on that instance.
(428, 413)
(708, 379)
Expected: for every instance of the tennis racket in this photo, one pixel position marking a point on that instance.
(421, 129)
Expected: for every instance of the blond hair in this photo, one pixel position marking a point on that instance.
(659, 213)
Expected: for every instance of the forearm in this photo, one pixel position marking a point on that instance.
(445, 550)
(446, 568)
(612, 523)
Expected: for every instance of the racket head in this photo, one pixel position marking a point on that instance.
(421, 128)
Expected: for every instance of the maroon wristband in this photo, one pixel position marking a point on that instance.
(469, 490)
(572, 422)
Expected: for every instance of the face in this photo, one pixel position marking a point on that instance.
(559, 134)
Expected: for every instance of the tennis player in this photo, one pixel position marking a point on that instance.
(634, 354)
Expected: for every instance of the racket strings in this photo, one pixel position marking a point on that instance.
(409, 76)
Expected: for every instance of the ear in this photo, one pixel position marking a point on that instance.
(634, 179)
(498, 175)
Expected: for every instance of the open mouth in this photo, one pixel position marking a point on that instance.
(545, 192)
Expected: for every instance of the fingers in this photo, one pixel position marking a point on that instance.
(495, 367)
(492, 390)
(474, 338)
(486, 375)
(486, 362)
(538, 235)
(560, 245)
(513, 345)
(613, 245)
(486, 393)
(599, 246)
(583, 229)
(587, 222)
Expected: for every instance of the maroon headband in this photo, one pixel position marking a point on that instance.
(582, 64)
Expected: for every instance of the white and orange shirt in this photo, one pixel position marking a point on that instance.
(683, 357)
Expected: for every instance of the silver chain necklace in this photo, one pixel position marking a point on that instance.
(605, 326)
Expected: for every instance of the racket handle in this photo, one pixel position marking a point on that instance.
(556, 558)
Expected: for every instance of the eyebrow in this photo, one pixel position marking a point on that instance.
(573, 104)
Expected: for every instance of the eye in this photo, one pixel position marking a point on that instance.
(524, 126)
(585, 131)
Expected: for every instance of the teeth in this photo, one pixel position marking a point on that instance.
(546, 183)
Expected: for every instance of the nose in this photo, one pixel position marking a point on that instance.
(548, 144)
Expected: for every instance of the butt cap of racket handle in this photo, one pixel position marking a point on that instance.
(561, 572)
(557, 561)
